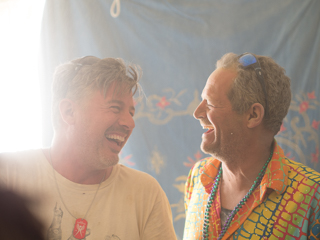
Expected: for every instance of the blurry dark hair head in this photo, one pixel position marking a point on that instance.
(16, 221)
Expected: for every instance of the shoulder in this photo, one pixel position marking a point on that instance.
(300, 172)
(141, 185)
(196, 171)
(21, 170)
(136, 177)
(198, 167)
(194, 180)
(21, 157)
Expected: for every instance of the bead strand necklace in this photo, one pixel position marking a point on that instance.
(256, 183)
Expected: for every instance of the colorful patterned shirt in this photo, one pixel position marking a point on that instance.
(285, 206)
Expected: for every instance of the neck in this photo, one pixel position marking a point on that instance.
(243, 166)
(239, 175)
(67, 164)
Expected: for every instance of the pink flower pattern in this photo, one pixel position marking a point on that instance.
(282, 128)
(304, 106)
(288, 156)
(315, 124)
(191, 162)
(163, 103)
(126, 160)
(315, 156)
(311, 95)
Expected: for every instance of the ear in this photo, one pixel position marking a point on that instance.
(255, 115)
(67, 110)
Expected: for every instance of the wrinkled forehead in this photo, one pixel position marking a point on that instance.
(113, 91)
(123, 98)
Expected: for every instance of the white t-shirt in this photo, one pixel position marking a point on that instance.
(129, 204)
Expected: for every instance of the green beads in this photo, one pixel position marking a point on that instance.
(256, 183)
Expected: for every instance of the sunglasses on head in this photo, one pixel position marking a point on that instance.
(249, 60)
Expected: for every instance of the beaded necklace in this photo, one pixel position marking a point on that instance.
(256, 183)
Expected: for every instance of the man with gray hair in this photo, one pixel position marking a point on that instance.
(82, 191)
(248, 189)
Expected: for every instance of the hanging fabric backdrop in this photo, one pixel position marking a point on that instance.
(177, 43)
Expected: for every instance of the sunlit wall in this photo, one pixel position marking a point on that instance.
(20, 118)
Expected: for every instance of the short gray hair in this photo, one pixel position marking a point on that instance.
(80, 77)
(247, 90)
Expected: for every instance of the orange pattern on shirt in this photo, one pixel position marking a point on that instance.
(286, 205)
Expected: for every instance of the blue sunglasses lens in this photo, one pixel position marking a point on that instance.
(247, 60)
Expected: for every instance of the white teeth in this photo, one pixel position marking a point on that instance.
(207, 127)
(115, 137)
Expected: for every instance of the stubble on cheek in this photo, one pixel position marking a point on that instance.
(106, 157)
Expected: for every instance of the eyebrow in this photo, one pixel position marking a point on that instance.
(120, 103)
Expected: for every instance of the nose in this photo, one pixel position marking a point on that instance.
(200, 111)
(126, 120)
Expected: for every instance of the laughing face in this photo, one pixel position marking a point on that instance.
(224, 126)
(103, 126)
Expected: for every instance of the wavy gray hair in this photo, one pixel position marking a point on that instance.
(247, 90)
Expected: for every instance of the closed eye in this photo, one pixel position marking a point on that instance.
(211, 106)
(115, 108)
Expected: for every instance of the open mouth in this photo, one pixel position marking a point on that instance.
(115, 138)
(210, 129)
